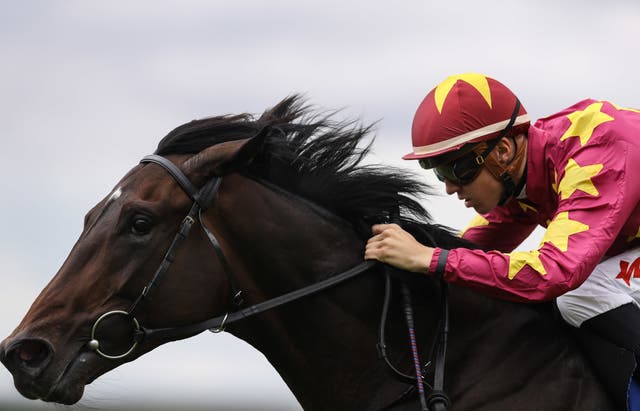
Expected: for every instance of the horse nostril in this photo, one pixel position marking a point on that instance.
(28, 355)
(32, 352)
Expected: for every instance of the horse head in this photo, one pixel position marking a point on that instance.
(124, 277)
(124, 239)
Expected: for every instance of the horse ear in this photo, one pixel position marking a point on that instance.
(224, 158)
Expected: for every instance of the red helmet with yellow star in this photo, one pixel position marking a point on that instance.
(465, 108)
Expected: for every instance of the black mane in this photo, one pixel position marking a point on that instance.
(317, 158)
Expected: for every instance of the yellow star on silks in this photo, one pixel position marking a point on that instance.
(554, 185)
(560, 229)
(578, 178)
(631, 238)
(557, 234)
(525, 207)
(518, 259)
(583, 122)
(477, 81)
(617, 107)
(477, 221)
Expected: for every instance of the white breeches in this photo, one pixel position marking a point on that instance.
(605, 289)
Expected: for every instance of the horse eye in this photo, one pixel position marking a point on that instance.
(141, 225)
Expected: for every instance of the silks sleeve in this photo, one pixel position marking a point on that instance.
(502, 229)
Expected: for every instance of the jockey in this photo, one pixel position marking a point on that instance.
(576, 173)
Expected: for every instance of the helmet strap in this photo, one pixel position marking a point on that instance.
(505, 173)
(482, 157)
(509, 187)
(508, 174)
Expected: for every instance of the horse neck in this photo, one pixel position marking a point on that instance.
(323, 346)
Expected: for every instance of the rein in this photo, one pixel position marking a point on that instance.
(218, 324)
(204, 198)
(437, 400)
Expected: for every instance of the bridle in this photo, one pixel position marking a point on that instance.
(203, 199)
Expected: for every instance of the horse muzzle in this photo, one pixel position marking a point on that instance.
(35, 374)
(26, 356)
(27, 359)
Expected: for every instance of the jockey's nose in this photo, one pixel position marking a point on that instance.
(28, 356)
(451, 188)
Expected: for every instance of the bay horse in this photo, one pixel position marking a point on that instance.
(285, 200)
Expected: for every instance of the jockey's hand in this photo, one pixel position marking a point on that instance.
(392, 245)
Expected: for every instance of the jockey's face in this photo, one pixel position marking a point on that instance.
(483, 193)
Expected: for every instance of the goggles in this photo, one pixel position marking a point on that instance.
(461, 171)
(464, 169)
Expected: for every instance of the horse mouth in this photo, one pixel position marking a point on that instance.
(67, 388)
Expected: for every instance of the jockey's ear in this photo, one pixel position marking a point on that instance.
(224, 158)
(505, 150)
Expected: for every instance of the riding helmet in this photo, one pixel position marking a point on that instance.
(462, 110)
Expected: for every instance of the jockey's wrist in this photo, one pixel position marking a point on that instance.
(438, 262)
